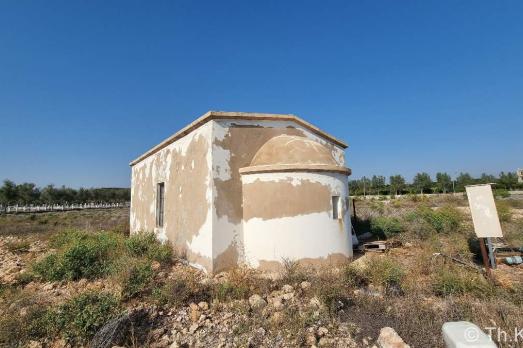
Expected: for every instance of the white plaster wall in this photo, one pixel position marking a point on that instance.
(315, 235)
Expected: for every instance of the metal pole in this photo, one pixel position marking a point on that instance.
(484, 256)
(491, 253)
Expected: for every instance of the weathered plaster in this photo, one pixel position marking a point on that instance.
(184, 167)
(282, 219)
(203, 186)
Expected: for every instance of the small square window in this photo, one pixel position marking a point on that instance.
(336, 211)
(160, 199)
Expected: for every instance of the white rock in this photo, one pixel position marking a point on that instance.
(257, 302)
(203, 305)
(390, 339)
(322, 331)
(305, 285)
(193, 328)
(287, 288)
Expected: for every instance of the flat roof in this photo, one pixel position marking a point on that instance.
(226, 115)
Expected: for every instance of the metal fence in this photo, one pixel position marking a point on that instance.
(15, 209)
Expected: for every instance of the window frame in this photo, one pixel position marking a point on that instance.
(336, 211)
(160, 204)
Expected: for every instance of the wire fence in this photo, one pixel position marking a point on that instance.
(19, 209)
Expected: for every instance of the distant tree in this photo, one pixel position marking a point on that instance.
(422, 182)
(443, 182)
(365, 185)
(463, 180)
(397, 183)
(378, 183)
(508, 180)
(50, 195)
(8, 193)
(487, 179)
(27, 193)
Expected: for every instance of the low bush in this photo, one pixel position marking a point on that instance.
(24, 278)
(385, 227)
(501, 193)
(137, 279)
(386, 272)
(443, 220)
(16, 329)
(80, 318)
(81, 255)
(448, 282)
(355, 276)
(504, 211)
(227, 291)
(181, 291)
(292, 272)
(147, 245)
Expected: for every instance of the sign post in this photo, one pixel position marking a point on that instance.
(485, 218)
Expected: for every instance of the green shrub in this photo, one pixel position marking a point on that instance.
(137, 279)
(385, 227)
(81, 255)
(444, 220)
(458, 282)
(504, 211)
(62, 238)
(80, 318)
(50, 268)
(386, 272)
(501, 193)
(139, 244)
(146, 245)
(162, 253)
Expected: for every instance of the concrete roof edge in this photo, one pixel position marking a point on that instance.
(230, 115)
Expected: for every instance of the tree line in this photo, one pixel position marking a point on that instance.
(28, 193)
(424, 183)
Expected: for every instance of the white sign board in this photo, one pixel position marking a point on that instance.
(484, 212)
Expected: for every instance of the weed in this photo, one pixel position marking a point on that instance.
(385, 227)
(79, 319)
(137, 279)
(355, 276)
(459, 281)
(292, 272)
(443, 220)
(181, 291)
(24, 278)
(504, 211)
(18, 246)
(227, 291)
(386, 272)
(146, 245)
(81, 255)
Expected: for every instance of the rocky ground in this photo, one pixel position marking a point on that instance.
(370, 303)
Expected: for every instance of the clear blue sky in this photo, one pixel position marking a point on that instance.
(87, 86)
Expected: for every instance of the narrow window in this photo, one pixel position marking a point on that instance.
(160, 198)
(336, 207)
